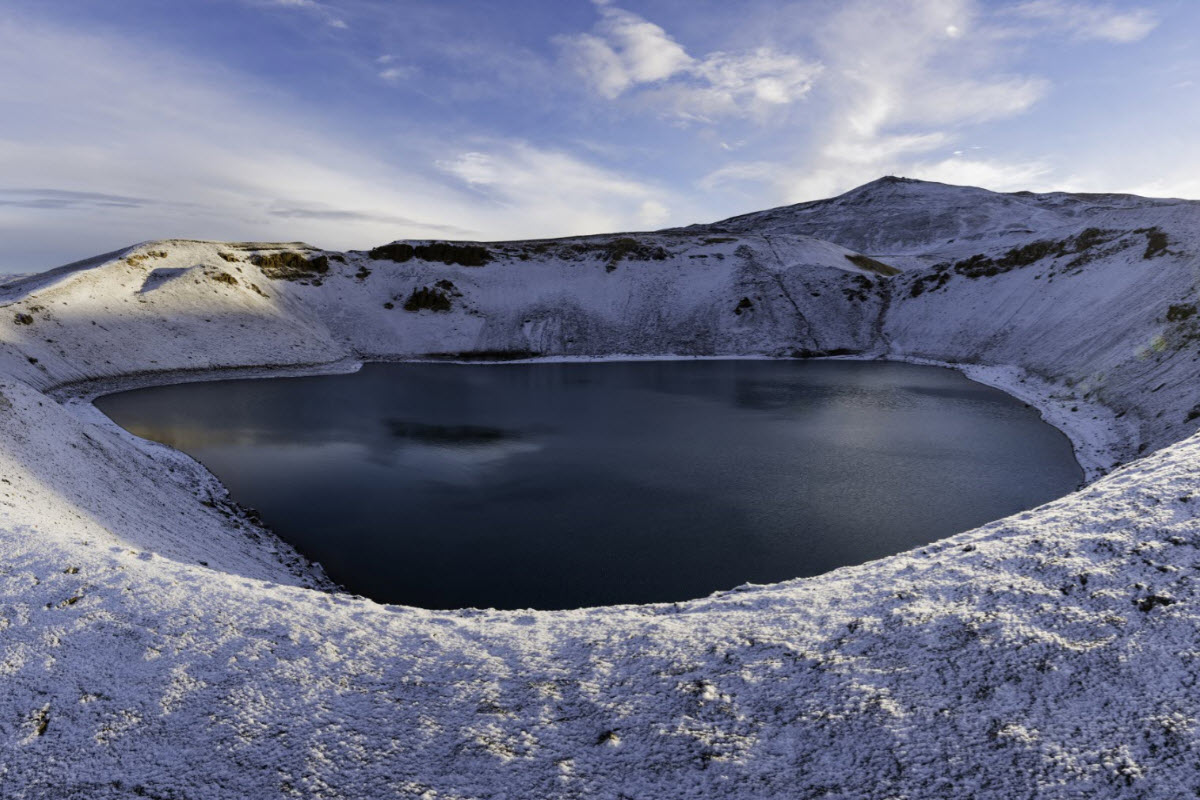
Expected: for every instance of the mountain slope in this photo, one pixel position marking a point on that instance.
(183, 305)
(920, 222)
(156, 642)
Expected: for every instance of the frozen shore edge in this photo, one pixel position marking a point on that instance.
(1093, 429)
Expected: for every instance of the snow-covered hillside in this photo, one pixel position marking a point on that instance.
(154, 641)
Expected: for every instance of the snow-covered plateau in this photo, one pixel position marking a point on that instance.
(155, 642)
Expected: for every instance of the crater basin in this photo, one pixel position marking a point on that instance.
(564, 485)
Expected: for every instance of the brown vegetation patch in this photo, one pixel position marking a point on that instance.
(871, 265)
(138, 260)
(1084, 246)
(290, 265)
(858, 289)
(611, 251)
(1156, 242)
(1180, 312)
(435, 298)
(464, 255)
(931, 282)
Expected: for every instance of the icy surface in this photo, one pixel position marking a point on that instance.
(155, 642)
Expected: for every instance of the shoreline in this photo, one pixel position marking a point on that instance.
(1095, 432)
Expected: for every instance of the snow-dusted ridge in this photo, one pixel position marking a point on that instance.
(155, 642)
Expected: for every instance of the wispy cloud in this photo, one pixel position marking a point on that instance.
(1183, 186)
(52, 199)
(350, 215)
(1090, 20)
(917, 63)
(321, 11)
(1000, 176)
(396, 74)
(755, 172)
(626, 52)
(570, 195)
(727, 84)
(392, 72)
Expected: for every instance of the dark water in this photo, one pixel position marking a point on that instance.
(568, 485)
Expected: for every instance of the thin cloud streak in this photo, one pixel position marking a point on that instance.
(64, 198)
(1090, 20)
(320, 11)
(345, 215)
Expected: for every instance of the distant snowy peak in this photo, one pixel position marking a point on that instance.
(902, 216)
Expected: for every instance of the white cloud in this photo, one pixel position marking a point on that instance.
(397, 74)
(873, 148)
(1091, 20)
(564, 194)
(627, 52)
(1181, 187)
(952, 100)
(998, 176)
(646, 52)
(732, 83)
(653, 214)
(600, 64)
(475, 169)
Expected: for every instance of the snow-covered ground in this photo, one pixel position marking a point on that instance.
(155, 642)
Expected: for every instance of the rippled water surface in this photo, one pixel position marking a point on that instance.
(569, 485)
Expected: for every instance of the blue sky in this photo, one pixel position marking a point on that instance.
(347, 123)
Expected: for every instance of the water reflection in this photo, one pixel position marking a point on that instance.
(467, 435)
(564, 485)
